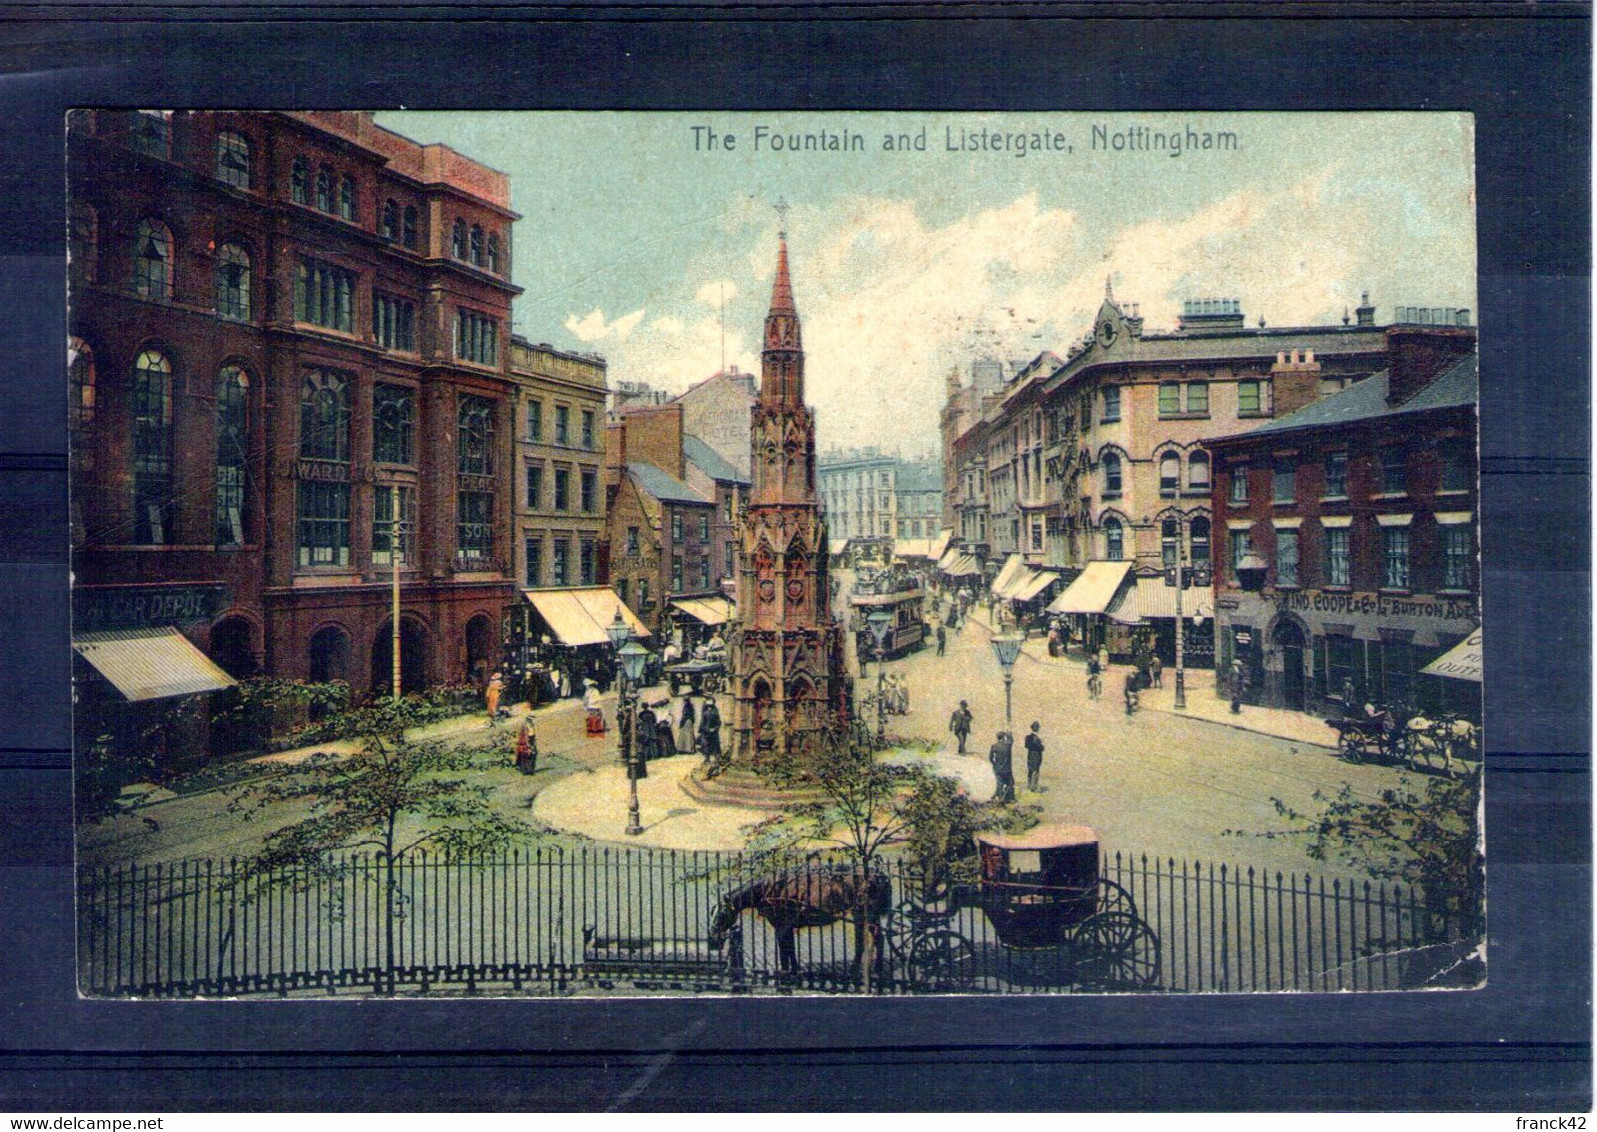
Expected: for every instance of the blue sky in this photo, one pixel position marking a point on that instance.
(907, 264)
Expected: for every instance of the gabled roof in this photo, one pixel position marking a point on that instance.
(1457, 387)
(709, 461)
(663, 485)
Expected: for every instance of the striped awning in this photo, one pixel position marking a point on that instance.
(580, 616)
(940, 543)
(1152, 599)
(709, 610)
(1094, 588)
(151, 664)
(1014, 569)
(962, 566)
(913, 548)
(1028, 590)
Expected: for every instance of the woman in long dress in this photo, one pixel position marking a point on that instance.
(665, 738)
(686, 726)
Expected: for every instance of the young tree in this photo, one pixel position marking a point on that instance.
(394, 798)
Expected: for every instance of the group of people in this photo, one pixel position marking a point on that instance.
(693, 729)
(895, 694)
(1002, 758)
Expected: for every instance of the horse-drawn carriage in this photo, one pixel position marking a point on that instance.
(700, 677)
(1400, 734)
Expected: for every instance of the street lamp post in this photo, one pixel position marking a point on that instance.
(1181, 636)
(631, 658)
(1006, 646)
(880, 623)
(395, 532)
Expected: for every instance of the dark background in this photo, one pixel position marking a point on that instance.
(1521, 1044)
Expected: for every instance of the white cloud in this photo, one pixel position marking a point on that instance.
(717, 293)
(592, 327)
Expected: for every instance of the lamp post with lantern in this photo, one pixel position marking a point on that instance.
(1006, 646)
(632, 659)
(881, 623)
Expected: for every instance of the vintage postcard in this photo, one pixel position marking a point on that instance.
(573, 554)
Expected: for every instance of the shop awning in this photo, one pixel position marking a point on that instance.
(151, 664)
(1152, 598)
(1094, 588)
(912, 548)
(949, 557)
(1028, 590)
(1461, 662)
(940, 543)
(836, 546)
(963, 566)
(709, 610)
(580, 616)
(1014, 568)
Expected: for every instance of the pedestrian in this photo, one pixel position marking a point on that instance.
(527, 749)
(1094, 676)
(687, 723)
(590, 701)
(1033, 756)
(665, 744)
(1350, 696)
(942, 639)
(903, 696)
(959, 723)
(647, 737)
(710, 737)
(1002, 758)
(1156, 669)
(496, 686)
(1239, 676)
(1133, 683)
(1103, 658)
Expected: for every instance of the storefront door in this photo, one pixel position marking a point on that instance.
(1289, 640)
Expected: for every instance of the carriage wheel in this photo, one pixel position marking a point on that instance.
(1119, 952)
(1113, 898)
(1351, 746)
(942, 961)
(900, 930)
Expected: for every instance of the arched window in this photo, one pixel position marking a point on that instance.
(1198, 472)
(233, 159)
(391, 221)
(152, 448)
(409, 234)
(493, 254)
(232, 459)
(152, 261)
(476, 437)
(84, 248)
(1114, 547)
(476, 245)
(232, 282)
(1169, 474)
(1200, 543)
(1111, 474)
(80, 403)
(329, 655)
(324, 416)
(152, 132)
(458, 242)
(348, 208)
(300, 182)
(324, 189)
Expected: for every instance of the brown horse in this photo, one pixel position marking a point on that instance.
(803, 898)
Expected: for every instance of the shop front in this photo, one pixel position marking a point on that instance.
(556, 639)
(1082, 607)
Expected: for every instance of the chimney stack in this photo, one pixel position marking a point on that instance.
(1365, 310)
(1418, 355)
(1294, 381)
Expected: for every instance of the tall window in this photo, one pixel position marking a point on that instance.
(393, 523)
(233, 282)
(408, 233)
(562, 425)
(676, 526)
(562, 562)
(1337, 569)
(152, 449)
(299, 190)
(730, 563)
(475, 440)
(534, 420)
(1169, 399)
(1198, 472)
(1250, 401)
(704, 573)
(587, 562)
(324, 189)
(476, 337)
(1114, 548)
(1286, 557)
(1394, 558)
(1169, 474)
(534, 549)
(232, 454)
(476, 245)
(233, 159)
(1111, 474)
(493, 254)
(590, 492)
(1111, 403)
(1169, 543)
(1200, 543)
(474, 527)
(323, 513)
(1241, 547)
(80, 404)
(1455, 466)
(394, 322)
(391, 221)
(1336, 475)
(151, 132)
(632, 542)
(393, 424)
(324, 416)
(1457, 561)
(676, 574)
(1239, 483)
(534, 486)
(348, 207)
(704, 527)
(457, 243)
(643, 593)
(562, 489)
(1198, 397)
(1284, 480)
(1394, 469)
(324, 295)
(587, 428)
(152, 261)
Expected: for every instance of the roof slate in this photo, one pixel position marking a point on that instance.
(663, 485)
(709, 461)
(1457, 387)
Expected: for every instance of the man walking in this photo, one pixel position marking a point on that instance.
(959, 723)
(942, 639)
(1239, 677)
(1033, 757)
(1002, 758)
(1156, 670)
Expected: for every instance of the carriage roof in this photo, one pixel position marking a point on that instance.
(1056, 836)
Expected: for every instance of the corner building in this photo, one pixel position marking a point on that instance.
(288, 366)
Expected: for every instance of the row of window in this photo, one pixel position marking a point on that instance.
(560, 498)
(560, 563)
(471, 247)
(587, 436)
(1456, 544)
(1110, 466)
(322, 514)
(1198, 534)
(1391, 473)
(326, 190)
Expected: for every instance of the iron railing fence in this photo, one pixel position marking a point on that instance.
(555, 920)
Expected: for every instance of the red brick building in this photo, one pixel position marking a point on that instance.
(288, 331)
(1345, 535)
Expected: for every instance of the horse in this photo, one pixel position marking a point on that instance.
(812, 897)
(1438, 737)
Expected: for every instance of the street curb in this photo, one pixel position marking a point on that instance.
(1240, 727)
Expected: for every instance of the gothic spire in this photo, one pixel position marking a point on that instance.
(782, 361)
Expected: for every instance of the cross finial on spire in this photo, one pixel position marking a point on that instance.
(781, 216)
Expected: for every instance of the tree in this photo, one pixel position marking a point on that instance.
(394, 798)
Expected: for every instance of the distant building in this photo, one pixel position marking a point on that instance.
(661, 543)
(869, 494)
(709, 474)
(1346, 532)
(918, 489)
(716, 410)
